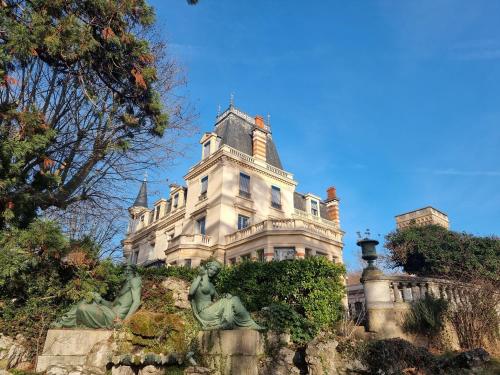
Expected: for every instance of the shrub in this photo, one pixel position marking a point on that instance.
(475, 316)
(426, 317)
(392, 356)
(434, 251)
(159, 273)
(311, 288)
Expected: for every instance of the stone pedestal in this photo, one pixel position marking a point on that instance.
(69, 346)
(232, 352)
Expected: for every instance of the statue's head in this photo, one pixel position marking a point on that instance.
(130, 270)
(213, 268)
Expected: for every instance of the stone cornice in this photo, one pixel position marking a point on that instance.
(227, 153)
(160, 224)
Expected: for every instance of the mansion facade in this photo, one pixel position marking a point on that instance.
(237, 203)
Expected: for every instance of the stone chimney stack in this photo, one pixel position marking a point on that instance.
(259, 139)
(332, 205)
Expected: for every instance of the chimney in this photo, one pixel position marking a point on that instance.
(332, 205)
(259, 139)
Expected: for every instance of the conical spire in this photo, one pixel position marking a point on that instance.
(142, 197)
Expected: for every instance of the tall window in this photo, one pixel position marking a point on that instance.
(135, 257)
(157, 213)
(276, 197)
(243, 221)
(244, 185)
(314, 208)
(200, 226)
(176, 200)
(206, 149)
(187, 263)
(204, 186)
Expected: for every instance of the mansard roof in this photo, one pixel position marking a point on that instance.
(235, 130)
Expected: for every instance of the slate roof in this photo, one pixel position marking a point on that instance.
(236, 132)
(299, 202)
(142, 197)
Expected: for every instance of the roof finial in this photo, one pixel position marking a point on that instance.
(146, 176)
(218, 111)
(268, 120)
(231, 100)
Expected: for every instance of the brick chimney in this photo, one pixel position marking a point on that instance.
(259, 139)
(332, 205)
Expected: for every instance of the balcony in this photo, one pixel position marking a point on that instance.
(190, 240)
(284, 225)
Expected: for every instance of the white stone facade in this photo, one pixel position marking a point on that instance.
(234, 206)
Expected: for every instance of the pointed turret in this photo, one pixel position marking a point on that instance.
(142, 197)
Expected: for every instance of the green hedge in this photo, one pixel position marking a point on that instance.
(299, 296)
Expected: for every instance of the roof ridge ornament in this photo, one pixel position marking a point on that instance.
(231, 100)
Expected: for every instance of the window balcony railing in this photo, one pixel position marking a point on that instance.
(275, 225)
(245, 194)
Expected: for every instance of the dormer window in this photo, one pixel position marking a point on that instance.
(157, 215)
(314, 208)
(176, 200)
(206, 149)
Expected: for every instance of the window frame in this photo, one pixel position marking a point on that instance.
(201, 229)
(242, 191)
(274, 204)
(240, 216)
(206, 149)
(203, 186)
(314, 211)
(175, 203)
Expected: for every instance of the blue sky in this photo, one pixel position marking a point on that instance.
(396, 103)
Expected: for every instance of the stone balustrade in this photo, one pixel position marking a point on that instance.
(283, 225)
(388, 297)
(190, 239)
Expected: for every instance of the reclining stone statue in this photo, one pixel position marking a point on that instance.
(213, 312)
(105, 314)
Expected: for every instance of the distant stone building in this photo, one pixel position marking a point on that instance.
(423, 216)
(237, 203)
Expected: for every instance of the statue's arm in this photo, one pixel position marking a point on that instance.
(194, 286)
(136, 297)
(98, 299)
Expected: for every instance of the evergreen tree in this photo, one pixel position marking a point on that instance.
(85, 93)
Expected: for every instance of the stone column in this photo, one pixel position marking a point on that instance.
(397, 293)
(415, 291)
(268, 254)
(300, 252)
(378, 298)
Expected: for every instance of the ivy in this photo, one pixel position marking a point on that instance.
(298, 296)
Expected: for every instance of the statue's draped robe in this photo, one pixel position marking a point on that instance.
(101, 315)
(225, 313)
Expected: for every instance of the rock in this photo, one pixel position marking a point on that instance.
(25, 366)
(281, 363)
(122, 370)
(150, 324)
(465, 360)
(5, 343)
(179, 289)
(198, 370)
(100, 355)
(17, 352)
(152, 370)
(320, 356)
(56, 370)
(4, 372)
